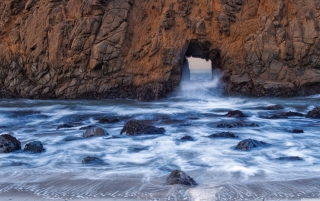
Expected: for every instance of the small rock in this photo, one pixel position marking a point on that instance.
(291, 114)
(315, 113)
(297, 131)
(9, 143)
(274, 107)
(34, 147)
(290, 158)
(136, 127)
(235, 114)
(108, 121)
(187, 138)
(224, 135)
(248, 144)
(180, 177)
(91, 159)
(64, 126)
(95, 132)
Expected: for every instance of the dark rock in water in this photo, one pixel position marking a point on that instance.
(290, 158)
(64, 126)
(34, 147)
(187, 138)
(236, 124)
(248, 144)
(72, 138)
(136, 127)
(297, 131)
(137, 148)
(95, 132)
(87, 127)
(274, 107)
(9, 143)
(91, 160)
(180, 177)
(277, 117)
(224, 135)
(315, 113)
(291, 114)
(235, 114)
(108, 120)
(285, 115)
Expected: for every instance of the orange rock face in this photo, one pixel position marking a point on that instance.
(135, 48)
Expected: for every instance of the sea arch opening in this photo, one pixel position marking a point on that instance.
(205, 77)
(201, 54)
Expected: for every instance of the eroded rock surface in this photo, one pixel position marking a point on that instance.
(248, 144)
(8, 143)
(138, 127)
(135, 49)
(95, 132)
(34, 147)
(315, 113)
(180, 177)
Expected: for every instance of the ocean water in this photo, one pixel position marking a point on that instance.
(136, 167)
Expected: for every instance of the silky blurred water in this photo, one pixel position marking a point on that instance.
(136, 167)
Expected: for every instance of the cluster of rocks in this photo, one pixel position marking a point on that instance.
(8, 144)
(135, 127)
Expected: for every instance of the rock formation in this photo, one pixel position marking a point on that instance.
(136, 48)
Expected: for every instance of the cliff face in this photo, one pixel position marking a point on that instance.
(136, 48)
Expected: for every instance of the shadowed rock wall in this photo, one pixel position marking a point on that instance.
(135, 48)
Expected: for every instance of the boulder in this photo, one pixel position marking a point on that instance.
(8, 143)
(34, 147)
(315, 113)
(224, 135)
(235, 114)
(137, 127)
(95, 132)
(248, 144)
(180, 177)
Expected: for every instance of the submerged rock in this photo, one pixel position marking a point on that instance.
(290, 158)
(274, 107)
(91, 160)
(248, 144)
(136, 127)
(187, 138)
(285, 115)
(8, 143)
(297, 131)
(235, 114)
(34, 147)
(95, 132)
(180, 177)
(108, 120)
(224, 135)
(87, 127)
(315, 113)
(236, 124)
(64, 126)
(291, 114)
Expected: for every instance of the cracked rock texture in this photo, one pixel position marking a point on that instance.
(135, 48)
